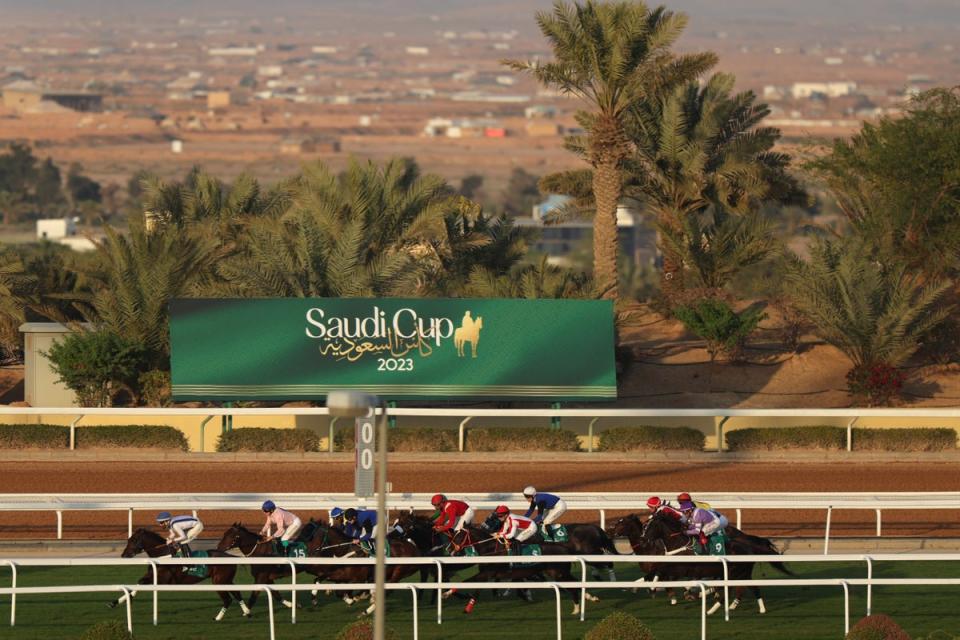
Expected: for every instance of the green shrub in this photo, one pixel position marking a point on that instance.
(939, 634)
(877, 627)
(904, 439)
(835, 439)
(96, 365)
(766, 439)
(34, 436)
(48, 436)
(135, 436)
(521, 439)
(405, 439)
(113, 630)
(264, 439)
(724, 330)
(363, 630)
(651, 439)
(619, 626)
(155, 388)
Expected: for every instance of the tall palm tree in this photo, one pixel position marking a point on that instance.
(613, 56)
(701, 151)
(17, 293)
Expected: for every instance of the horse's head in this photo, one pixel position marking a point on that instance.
(136, 544)
(232, 537)
(492, 523)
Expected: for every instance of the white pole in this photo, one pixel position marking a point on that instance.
(156, 594)
(129, 599)
(439, 592)
(416, 620)
(273, 631)
(293, 596)
(869, 583)
(726, 589)
(13, 593)
(462, 432)
(556, 591)
(703, 611)
(826, 535)
(846, 608)
(583, 589)
(380, 571)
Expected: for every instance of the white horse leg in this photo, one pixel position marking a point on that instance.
(763, 609)
(611, 575)
(245, 609)
(592, 598)
(713, 609)
(219, 616)
(734, 604)
(576, 609)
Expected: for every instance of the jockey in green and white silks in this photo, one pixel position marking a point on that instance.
(707, 528)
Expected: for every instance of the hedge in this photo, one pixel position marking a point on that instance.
(406, 439)
(265, 439)
(363, 630)
(835, 439)
(112, 630)
(647, 438)
(521, 439)
(48, 436)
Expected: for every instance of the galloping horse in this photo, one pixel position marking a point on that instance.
(251, 545)
(668, 534)
(484, 544)
(331, 542)
(155, 546)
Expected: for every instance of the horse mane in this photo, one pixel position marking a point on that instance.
(143, 531)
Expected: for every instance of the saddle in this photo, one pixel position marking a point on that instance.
(199, 571)
(554, 533)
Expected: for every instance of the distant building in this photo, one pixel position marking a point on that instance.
(218, 99)
(27, 96)
(801, 90)
(540, 111)
(464, 128)
(56, 228)
(418, 51)
(234, 51)
(543, 129)
(295, 145)
(324, 50)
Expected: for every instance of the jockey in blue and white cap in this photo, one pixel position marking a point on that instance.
(181, 530)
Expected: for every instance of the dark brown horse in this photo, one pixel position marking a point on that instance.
(332, 542)
(483, 543)
(155, 546)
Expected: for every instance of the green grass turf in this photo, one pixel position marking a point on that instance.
(794, 613)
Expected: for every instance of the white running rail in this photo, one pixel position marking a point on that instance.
(601, 503)
(583, 585)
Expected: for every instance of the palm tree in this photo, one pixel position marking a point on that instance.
(370, 231)
(613, 56)
(876, 314)
(700, 158)
(540, 280)
(137, 276)
(17, 293)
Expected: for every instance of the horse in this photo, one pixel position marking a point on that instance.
(462, 335)
(155, 546)
(332, 542)
(484, 543)
(251, 545)
(668, 534)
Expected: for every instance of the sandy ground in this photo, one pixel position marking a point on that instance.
(642, 477)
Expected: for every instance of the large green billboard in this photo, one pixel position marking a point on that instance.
(296, 348)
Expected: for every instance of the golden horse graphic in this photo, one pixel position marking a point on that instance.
(468, 331)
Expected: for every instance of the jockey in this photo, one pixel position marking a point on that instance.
(336, 518)
(454, 515)
(707, 527)
(280, 524)
(181, 531)
(519, 528)
(667, 508)
(547, 506)
(685, 497)
(362, 527)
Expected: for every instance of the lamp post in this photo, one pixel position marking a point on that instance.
(354, 404)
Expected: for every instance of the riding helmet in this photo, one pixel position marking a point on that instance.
(268, 506)
(502, 510)
(653, 502)
(529, 492)
(336, 512)
(438, 499)
(163, 516)
(350, 514)
(684, 497)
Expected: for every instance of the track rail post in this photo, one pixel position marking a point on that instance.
(73, 432)
(826, 535)
(156, 593)
(13, 593)
(846, 607)
(129, 603)
(556, 592)
(463, 432)
(416, 619)
(439, 592)
(869, 583)
(703, 610)
(293, 594)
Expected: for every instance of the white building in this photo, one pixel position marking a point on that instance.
(801, 90)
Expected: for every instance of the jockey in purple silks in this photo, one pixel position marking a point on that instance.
(707, 528)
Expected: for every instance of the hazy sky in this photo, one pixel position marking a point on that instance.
(946, 12)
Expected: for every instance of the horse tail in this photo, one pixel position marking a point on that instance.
(764, 546)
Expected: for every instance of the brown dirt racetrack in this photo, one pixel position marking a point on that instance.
(453, 476)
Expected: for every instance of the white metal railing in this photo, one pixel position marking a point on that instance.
(466, 414)
(582, 585)
(598, 502)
